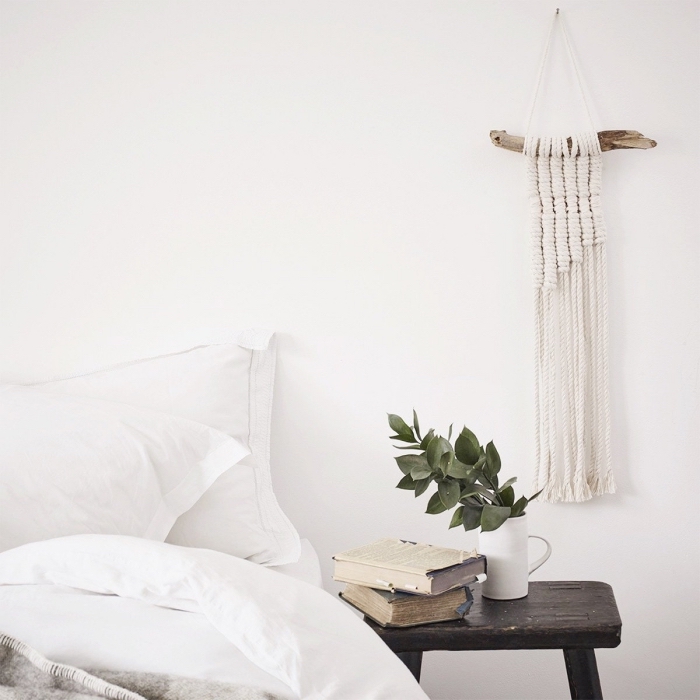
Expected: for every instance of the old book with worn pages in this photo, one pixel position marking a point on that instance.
(398, 609)
(391, 565)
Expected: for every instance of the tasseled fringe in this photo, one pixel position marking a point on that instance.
(96, 685)
(572, 406)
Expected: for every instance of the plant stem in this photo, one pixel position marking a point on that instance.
(495, 490)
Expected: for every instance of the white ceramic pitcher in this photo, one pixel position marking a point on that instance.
(507, 567)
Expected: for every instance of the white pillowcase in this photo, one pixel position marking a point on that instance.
(74, 465)
(226, 384)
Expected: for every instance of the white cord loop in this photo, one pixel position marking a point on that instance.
(543, 64)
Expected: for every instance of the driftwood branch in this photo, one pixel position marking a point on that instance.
(609, 140)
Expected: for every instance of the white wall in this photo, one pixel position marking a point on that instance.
(324, 168)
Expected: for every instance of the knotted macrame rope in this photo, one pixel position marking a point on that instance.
(572, 406)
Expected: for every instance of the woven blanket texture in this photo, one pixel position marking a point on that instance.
(26, 675)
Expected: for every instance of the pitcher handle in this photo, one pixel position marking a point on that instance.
(536, 564)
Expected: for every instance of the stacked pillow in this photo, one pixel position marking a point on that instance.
(174, 447)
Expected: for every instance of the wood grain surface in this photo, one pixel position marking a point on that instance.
(609, 140)
(554, 615)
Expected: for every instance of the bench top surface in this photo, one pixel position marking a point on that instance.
(554, 615)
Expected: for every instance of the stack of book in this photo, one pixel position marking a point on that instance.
(400, 584)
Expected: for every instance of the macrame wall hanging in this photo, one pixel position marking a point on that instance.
(572, 409)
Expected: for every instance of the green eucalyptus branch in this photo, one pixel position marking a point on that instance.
(466, 474)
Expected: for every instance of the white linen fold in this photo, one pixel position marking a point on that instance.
(294, 631)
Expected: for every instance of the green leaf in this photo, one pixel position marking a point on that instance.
(406, 483)
(449, 433)
(421, 472)
(416, 427)
(426, 440)
(471, 477)
(482, 479)
(507, 496)
(518, 508)
(446, 461)
(403, 438)
(471, 437)
(490, 481)
(457, 470)
(508, 483)
(467, 447)
(448, 490)
(480, 462)
(435, 504)
(457, 517)
(493, 460)
(471, 519)
(437, 447)
(472, 500)
(406, 447)
(409, 462)
(422, 485)
(493, 517)
(532, 498)
(486, 492)
(400, 427)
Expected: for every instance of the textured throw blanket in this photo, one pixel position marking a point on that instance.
(27, 675)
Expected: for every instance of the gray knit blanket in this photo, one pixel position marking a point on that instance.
(27, 675)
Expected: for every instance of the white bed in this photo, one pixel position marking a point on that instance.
(139, 532)
(89, 630)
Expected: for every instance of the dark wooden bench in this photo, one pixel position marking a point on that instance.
(575, 616)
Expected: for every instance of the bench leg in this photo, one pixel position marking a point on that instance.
(413, 660)
(582, 671)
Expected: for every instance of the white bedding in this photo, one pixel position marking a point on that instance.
(307, 569)
(72, 465)
(224, 381)
(278, 632)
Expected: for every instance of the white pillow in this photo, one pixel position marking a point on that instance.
(225, 384)
(73, 465)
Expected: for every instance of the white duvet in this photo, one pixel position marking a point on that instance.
(289, 629)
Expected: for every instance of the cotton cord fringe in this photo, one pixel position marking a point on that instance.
(572, 406)
(96, 685)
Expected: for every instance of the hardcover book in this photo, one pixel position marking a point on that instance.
(398, 609)
(391, 564)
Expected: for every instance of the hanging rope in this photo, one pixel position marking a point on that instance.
(572, 406)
